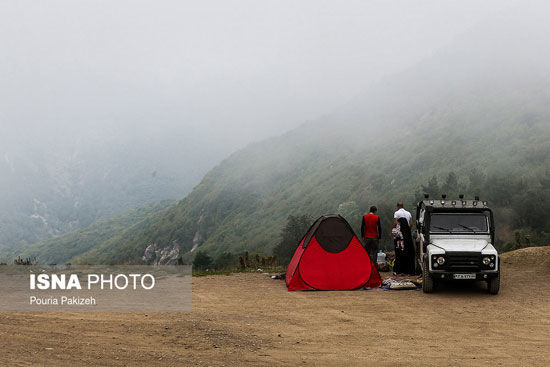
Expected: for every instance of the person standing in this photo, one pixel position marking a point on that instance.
(401, 213)
(402, 236)
(371, 231)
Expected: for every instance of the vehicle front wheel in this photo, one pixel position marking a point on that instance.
(493, 284)
(427, 280)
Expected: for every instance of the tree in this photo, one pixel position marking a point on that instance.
(450, 186)
(530, 210)
(227, 260)
(202, 261)
(477, 180)
(432, 188)
(291, 235)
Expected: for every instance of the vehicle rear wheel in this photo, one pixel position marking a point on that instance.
(493, 284)
(427, 280)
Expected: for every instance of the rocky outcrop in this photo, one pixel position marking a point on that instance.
(154, 255)
(197, 239)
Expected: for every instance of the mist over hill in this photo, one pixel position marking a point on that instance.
(53, 183)
(243, 203)
(102, 111)
(472, 119)
(62, 249)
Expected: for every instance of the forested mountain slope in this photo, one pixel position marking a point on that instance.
(63, 249)
(56, 181)
(475, 118)
(243, 203)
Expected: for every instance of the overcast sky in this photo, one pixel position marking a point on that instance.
(236, 71)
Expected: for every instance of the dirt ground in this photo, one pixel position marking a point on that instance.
(252, 320)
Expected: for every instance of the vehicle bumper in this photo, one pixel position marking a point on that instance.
(484, 275)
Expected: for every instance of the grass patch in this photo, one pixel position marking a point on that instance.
(273, 269)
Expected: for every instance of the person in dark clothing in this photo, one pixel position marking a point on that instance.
(404, 246)
(404, 252)
(371, 232)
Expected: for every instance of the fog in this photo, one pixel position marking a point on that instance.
(224, 72)
(106, 106)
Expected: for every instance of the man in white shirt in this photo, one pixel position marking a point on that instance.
(401, 213)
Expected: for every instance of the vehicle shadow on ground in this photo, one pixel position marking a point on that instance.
(465, 287)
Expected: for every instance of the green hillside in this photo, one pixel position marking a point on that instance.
(63, 249)
(473, 119)
(491, 143)
(244, 203)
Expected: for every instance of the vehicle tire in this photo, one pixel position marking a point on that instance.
(427, 280)
(493, 284)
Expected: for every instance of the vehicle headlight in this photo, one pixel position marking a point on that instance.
(489, 261)
(438, 260)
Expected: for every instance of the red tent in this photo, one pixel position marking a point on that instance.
(330, 257)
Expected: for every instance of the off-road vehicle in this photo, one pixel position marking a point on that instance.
(455, 242)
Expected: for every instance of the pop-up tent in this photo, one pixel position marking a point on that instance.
(330, 257)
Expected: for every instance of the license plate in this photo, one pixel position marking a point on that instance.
(464, 276)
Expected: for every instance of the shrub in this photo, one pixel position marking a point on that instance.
(291, 235)
(202, 261)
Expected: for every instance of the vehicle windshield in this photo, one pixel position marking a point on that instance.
(458, 223)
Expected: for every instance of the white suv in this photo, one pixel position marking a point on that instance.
(455, 242)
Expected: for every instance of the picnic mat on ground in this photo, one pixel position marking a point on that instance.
(401, 283)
